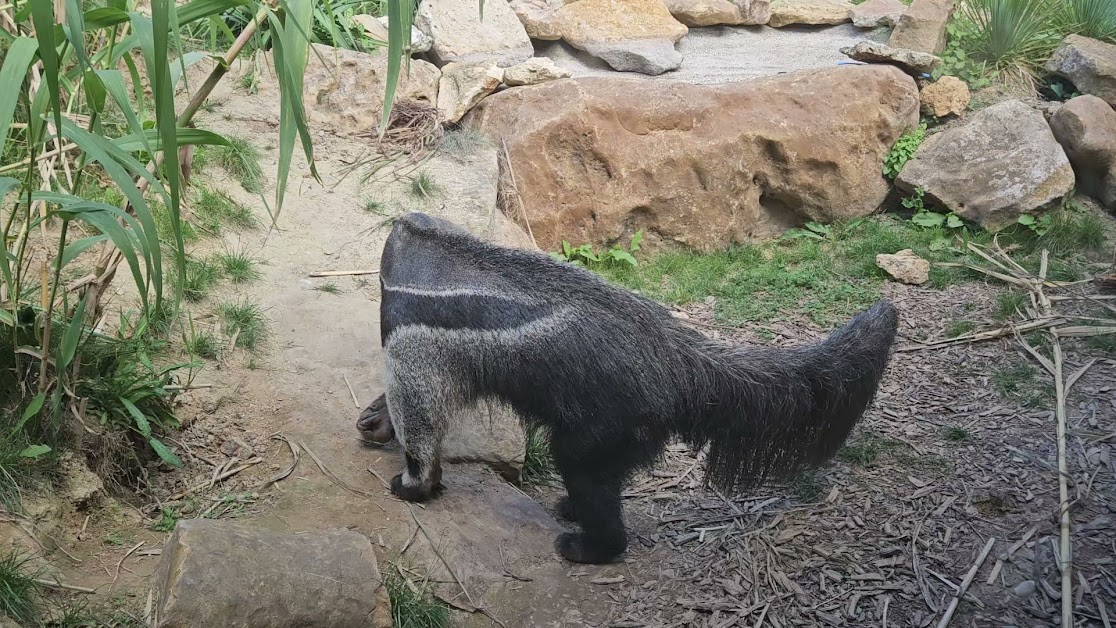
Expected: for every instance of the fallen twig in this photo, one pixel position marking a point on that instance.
(296, 452)
(54, 584)
(965, 583)
(342, 273)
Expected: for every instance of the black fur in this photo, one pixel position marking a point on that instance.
(611, 374)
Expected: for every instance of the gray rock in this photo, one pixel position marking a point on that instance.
(876, 13)
(461, 36)
(1026, 588)
(1086, 128)
(1088, 63)
(222, 573)
(646, 56)
(1001, 163)
(922, 26)
(910, 61)
(463, 85)
(420, 41)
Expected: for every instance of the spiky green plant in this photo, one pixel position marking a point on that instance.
(1011, 37)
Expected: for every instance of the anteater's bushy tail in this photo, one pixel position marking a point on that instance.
(769, 412)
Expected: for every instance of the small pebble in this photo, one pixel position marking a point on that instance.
(1024, 589)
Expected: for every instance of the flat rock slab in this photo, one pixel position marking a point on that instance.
(1000, 163)
(922, 26)
(223, 573)
(728, 54)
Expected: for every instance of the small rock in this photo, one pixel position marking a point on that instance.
(754, 12)
(221, 573)
(462, 36)
(629, 35)
(877, 13)
(1001, 163)
(1026, 588)
(230, 447)
(910, 61)
(1086, 128)
(810, 12)
(463, 85)
(420, 41)
(538, 17)
(947, 96)
(922, 26)
(905, 266)
(1088, 63)
(77, 484)
(533, 71)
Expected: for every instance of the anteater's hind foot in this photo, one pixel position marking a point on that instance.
(374, 423)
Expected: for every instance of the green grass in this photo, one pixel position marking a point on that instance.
(241, 160)
(20, 597)
(956, 434)
(329, 288)
(808, 486)
(959, 328)
(1105, 343)
(828, 277)
(372, 206)
(1012, 380)
(538, 462)
(867, 450)
(168, 519)
(411, 608)
(1008, 303)
(244, 320)
(203, 345)
(238, 266)
(1072, 231)
(216, 209)
(201, 277)
(423, 186)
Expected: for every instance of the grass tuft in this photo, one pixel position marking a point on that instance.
(329, 288)
(412, 607)
(1008, 303)
(203, 345)
(463, 142)
(244, 320)
(216, 209)
(423, 186)
(957, 434)
(20, 597)
(238, 266)
(242, 161)
(201, 277)
(538, 462)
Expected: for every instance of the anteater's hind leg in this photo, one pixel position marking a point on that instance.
(593, 483)
(419, 404)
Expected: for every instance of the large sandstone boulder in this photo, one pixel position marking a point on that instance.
(922, 26)
(596, 159)
(1001, 163)
(463, 85)
(343, 90)
(876, 13)
(1089, 64)
(1086, 128)
(223, 573)
(462, 36)
(808, 12)
(538, 17)
(629, 35)
(714, 12)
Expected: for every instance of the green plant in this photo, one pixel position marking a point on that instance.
(202, 344)
(538, 461)
(201, 277)
(245, 321)
(423, 185)
(814, 230)
(959, 328)
(109, 199)
(329, 288)
(959, 63)
(168, 519)
(241, 160)
(903, 150)
(20, 597)
(463, 142)
(1091, 18)
(216, 208)
(584, 255)
(238, 266)
(1008, 303)
(372, 206)
(957, 434)
(1011, 37)
(412, 607)
(1013, 380)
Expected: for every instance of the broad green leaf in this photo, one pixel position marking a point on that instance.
(150, 139)
(290, 51)
(6, 185)
(624, 256)
(637, 240)
(42, 15)
(35, 451)
(928, 219)
(199, 9)
(104, 17)
(400, 16)
(75, 32)
(68, 349)
(16, 61)
(29, 412)
(182, 63)
(113, 82)
(954, 222)
(166, 454)
(79, 246)
(1026, 220)
(162, 17)
(142, 424)
(94, 91)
